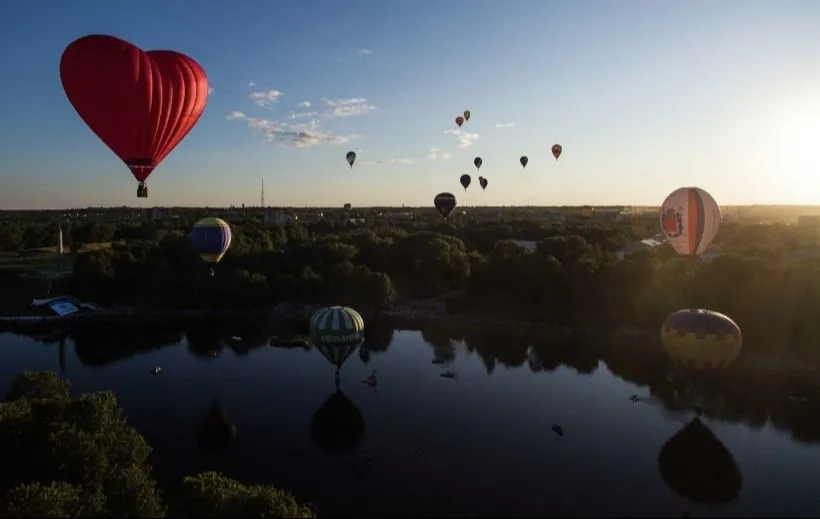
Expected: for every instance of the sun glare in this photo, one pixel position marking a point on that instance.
(796, 154)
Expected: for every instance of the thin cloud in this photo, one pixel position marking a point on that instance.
(265, 97)
(302, 115)
(464, 139)
(436, 154)
(304, 104)
(347, 107)
(505, 125)
(235, 116)
(365, 52)
(400, 162)
(251, 84)
(210, 91)
(303, 135)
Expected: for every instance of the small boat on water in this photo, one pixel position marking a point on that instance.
(156, 370)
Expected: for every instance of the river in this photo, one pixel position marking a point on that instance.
(483, 443)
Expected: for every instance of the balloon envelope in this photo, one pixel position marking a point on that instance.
(212, 238)
(140, 104)
(690, 219)
(459, 121)
(695, 464)
(478, 162)
(444, 203)
(336, 332)
(524, 160)
(701, 340)
(482, 182)
(467, 115)
(350, 157)
(586, 211)
(556, 151)
(465, 181)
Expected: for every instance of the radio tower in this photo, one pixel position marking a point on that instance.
(263, 193)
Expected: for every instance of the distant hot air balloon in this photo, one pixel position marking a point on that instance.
(467, 115)
(477, 162)
(524, 161)
(482, 182)
(586, 211)
(556, 150)
(690, 219)
(695, 464)
(140, 104)
(445, 203)
(336, 332)
(350, 157)
(347, 207)
(701, 340)
(459, 121)
(212, 238)
(465, 181)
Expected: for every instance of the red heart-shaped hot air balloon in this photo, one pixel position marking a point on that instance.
(140, 104)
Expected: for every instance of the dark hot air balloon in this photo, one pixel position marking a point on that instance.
(347, 207)
(140, 104)
(556, 150)
(467, 115)
(465, 181)
(695, 464)
(477, 162)
(445, 203)
(212, 239)
(459, 121)
(524, 161)
(482, 182)
(586, 211)
(350, 157)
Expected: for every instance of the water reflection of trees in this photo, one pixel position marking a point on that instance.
(749, 392)
(752, 391)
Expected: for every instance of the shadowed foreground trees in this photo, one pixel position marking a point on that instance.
(67, 456)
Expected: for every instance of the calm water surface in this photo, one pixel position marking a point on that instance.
(480, 445)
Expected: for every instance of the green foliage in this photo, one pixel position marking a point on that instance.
(77, 457)
(211, 494)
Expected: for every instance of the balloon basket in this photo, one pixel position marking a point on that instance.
(142, 191)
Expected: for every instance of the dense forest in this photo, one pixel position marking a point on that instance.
(766, 276)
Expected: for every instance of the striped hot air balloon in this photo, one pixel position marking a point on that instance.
(212, 238)
(690, 219)
(445, 203)
(701, 340)
(336, 332)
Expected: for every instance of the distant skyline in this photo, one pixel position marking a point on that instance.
(644, 97)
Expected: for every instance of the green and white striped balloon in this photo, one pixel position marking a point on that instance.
(336, 332)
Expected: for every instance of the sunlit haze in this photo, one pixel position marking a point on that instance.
(644, 97)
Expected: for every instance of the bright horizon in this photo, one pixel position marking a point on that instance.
(644, 97)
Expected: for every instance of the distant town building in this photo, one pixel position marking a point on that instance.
(630, 248)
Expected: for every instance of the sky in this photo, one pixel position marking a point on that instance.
(644, 96)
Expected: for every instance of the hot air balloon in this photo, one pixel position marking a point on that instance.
(212, 238)
(338, 425)
(467, 115)
(478, 162)
(586, 211)
(524, 161)
(216, 431)
(347, 207)
(556, 150)
(482, 182)
(336, 332)
(444, 203)
(465, 181)
(459, 121)
(140, 104)
(350, 157)
(690, 219)
(695, 464)
(701, 340)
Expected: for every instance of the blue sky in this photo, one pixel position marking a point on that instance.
(644, 96)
